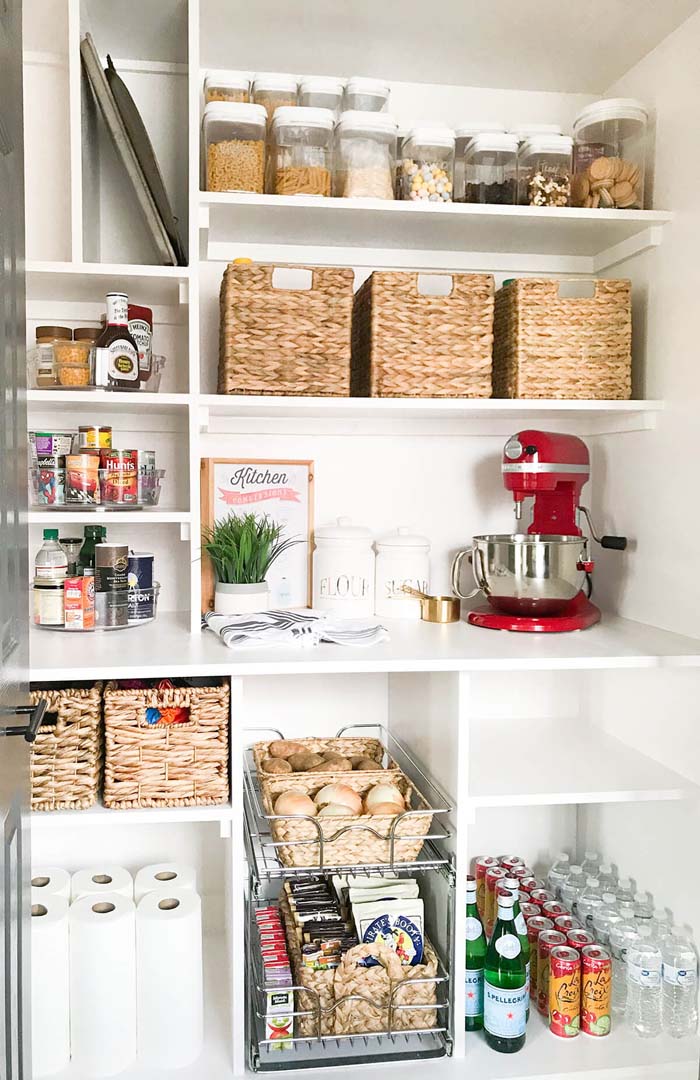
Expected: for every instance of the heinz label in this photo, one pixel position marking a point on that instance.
(505, 1011)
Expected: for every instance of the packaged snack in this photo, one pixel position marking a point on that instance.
(399, 924)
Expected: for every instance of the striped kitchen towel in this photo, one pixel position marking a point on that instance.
(292, 628)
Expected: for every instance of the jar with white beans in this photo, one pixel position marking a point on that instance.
(427, 165)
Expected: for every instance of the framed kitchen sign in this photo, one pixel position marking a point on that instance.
(282, 490)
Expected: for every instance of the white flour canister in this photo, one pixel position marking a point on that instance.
(402, 559)
(344, 569)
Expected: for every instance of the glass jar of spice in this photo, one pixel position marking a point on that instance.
(300, 154)
(41, 363)
(544, 171)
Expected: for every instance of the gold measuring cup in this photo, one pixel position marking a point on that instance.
(436, 609)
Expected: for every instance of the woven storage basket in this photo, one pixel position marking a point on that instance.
(349, 746)
(66, 759)
(285, 341)
(357, 845)
(550, 346)
(161, 764)
(406, 344)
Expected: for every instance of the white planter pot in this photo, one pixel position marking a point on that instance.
(241, 599)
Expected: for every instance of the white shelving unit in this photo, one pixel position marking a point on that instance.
(541, 742)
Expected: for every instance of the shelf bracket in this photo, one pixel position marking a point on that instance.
(642, 241)
(204, 219)
(225, 828)
(204, 418)
(183, 293)
(185, 531)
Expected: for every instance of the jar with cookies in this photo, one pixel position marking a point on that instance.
(234, 136)
(610, 146)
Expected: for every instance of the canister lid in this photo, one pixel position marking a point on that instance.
(494, 140)
(372, 87)
(530, 131)
(86, 333)
(227, 80)
(362, 122)
(233, 111)
(302, 116)
(343, 529)
(612, 109)
(431, 136)
(402, 538)
(547, 144)
(321, 84)
(275, 81)
(49, 333)
(467, 131)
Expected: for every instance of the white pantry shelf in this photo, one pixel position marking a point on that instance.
(167, 648)
(564, 762)
(143, 404)
(101, 817)
(455, 236)
(73, 282)
(104, 517)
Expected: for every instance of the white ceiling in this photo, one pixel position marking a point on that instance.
(566, 45)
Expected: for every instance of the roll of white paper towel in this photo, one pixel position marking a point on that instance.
(50, 985)
(103, 984)
(169, 966)
(161, 876)
(102, 879)
(51, 879)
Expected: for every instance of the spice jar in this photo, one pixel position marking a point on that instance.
(320, 92)
(41, 360)
(428, 158)
(610, 139)
(544, 171)
(73, 365)
(365, 155)
(226, 86)
(274, 92)
(343, 573)
(300, 152)
(491, 169)
(367, 95)
(235, 146)
(48, 601)
(463, 136)
(402, 559)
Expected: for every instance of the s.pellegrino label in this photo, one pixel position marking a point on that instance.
(505, 1010)
(474, 992)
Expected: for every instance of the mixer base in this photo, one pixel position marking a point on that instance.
(579, 615)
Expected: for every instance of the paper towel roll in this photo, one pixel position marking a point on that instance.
(103, 984)
(50, 985)
(102, 879)
(51, 879)
(160, 876)
(169, 978)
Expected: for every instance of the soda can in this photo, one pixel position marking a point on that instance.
(523, 898)
(548, 940)
(511, 861)
(521, 872)
(529, 910)
(553, 908)
(494, 874)
(541, 897)
(481, 865)
(527, 884)
(566, 923)
(564, 991)
(579, 939)
(596, 985)
(535, 925)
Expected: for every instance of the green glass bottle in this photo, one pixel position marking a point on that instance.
(505, 983)
(513, 887)
(94, 534)
(474, 966)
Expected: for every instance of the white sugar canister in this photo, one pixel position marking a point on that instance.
(402, 559)
(344, 569)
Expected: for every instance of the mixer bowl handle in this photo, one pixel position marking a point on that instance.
(456, 571)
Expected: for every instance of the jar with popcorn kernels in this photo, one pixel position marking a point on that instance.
(427, 165)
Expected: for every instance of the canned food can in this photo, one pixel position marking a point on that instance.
(147, 461)
(92, 437)
(119, 475)
(578, 939)
(564, 992)
(82, 478)
(50, 485)
(481, 865)
(596, 986)
(141, 569)
(542, 897)
(79, 603)
(112, 608)
(553, 909)
(142, 604)
(511, 861)
(55, 443)
(566, 923)
(111, 567)
(547, 941)
(494, 874)
(535, 925)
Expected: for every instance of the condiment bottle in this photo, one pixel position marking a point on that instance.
(94, 534)
(116, 352)
(141, 329)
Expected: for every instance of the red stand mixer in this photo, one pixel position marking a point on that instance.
(535, 581)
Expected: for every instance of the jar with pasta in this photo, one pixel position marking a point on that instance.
(365, 156)
(226, 86)
(300, 152)
(274, 92)
(234, 137)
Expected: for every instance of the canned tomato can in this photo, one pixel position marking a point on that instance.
(119, 475)
(140, 569)
(111, 567)
(494, 874)
(481, 865)
(596, 985)
(535, 925)
(564, 992)
(541, 897)
(529, 910)
(92, 437)
(553, 909)
(547, 941)
(578, 939)
(511, 861)
(566, 923)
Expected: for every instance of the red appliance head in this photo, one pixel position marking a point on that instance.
(552, 469)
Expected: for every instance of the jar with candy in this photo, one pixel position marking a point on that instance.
(365, 152)
(544, 171)
(428, 160)
(610, 146)
(490, 169)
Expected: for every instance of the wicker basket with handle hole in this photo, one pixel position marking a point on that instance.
(348, 746)
(67, 757)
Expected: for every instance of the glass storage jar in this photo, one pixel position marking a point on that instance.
(300, 151)
(610, 145)
(463, 136)
(427, 162)
(274, 92)
(73, 366)
(41, 364)
(226, 86)
(366, 95)
(365, 156)
(491, 169)
(321, 92)
(234, 137)
(544, 171)
(523, 132)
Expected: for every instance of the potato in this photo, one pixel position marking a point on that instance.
(341, 765)
(276, 765)
(364, 764)
(333, 755)
(304, 761)
(284, 748)
(337, 762)
(354, 758)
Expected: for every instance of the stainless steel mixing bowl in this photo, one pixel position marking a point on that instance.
(524, 575)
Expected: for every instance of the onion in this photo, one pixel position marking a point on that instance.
(293, 802)
(383, 793)
(386, 808)
(335, 810)
(339, 794)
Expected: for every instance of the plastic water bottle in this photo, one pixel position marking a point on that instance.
(680, 984)
(662, 924)
(570, 889)
(589, 900)
(643, 907)
(591, 863)
(625, 891)
(558, 873)
(51, 561)
(644, 1010)
(622, 935)
(604, 919)
(607, 876)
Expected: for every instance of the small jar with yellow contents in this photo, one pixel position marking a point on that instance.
(427, 165)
